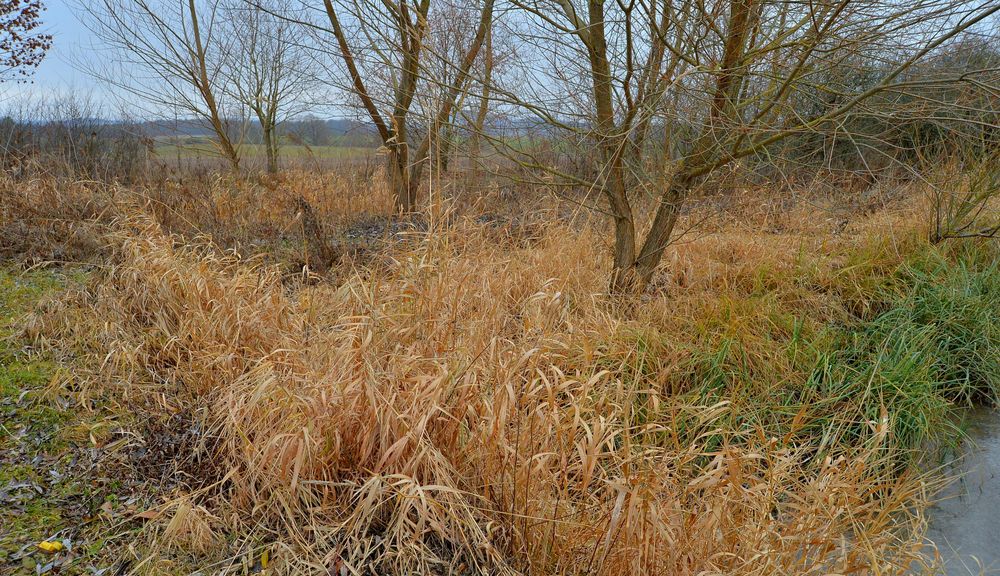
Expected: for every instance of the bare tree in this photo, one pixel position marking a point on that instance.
(725, 79)
(169, 54)
(268, 70)
(449, 35)
(389, 37)
(483, 108)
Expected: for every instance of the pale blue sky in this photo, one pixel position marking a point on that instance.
(69, 38)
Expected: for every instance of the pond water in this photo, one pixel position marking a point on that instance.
(965, 523)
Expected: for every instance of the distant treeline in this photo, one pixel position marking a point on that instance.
(925, 122)
(67, 138)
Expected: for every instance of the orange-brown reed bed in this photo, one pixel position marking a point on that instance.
(469, 403)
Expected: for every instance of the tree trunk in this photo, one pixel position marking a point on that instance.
(228, 149)
(204, 85)
(475, 143)
(422, 153)
(632, 276)
(270, 149)
(444, 149)
(612, 146)
(662, 229)
(403, 188)
(316, 239)
(622, 276)
(635, 276)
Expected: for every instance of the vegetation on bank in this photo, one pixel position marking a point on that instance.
(626, 288)
(466, 398)
(926, 346)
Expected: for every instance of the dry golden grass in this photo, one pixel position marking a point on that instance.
(45, 219)
(471, 404)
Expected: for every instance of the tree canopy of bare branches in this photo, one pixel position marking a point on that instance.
(268, 70)
(174, 57)
(383, 49)
(725, 80)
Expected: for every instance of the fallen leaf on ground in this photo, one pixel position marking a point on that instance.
(50, 547)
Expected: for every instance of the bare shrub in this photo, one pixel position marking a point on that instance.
(70, 136)
(966, 202)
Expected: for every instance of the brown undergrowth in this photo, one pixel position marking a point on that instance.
(472, 404)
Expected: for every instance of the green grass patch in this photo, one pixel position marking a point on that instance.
(19, 291)
(25, 417)
(914, 345)
(46, 480)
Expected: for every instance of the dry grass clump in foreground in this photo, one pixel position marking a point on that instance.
(474, 407)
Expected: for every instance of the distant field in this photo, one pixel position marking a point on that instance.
(170, 150)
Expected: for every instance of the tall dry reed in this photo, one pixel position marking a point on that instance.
(474, 404)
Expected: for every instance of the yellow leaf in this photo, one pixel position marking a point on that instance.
(263, 559)
(50, 547)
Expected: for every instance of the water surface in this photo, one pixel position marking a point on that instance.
(965, 523)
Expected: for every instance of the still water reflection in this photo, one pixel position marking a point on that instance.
(965, 524)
